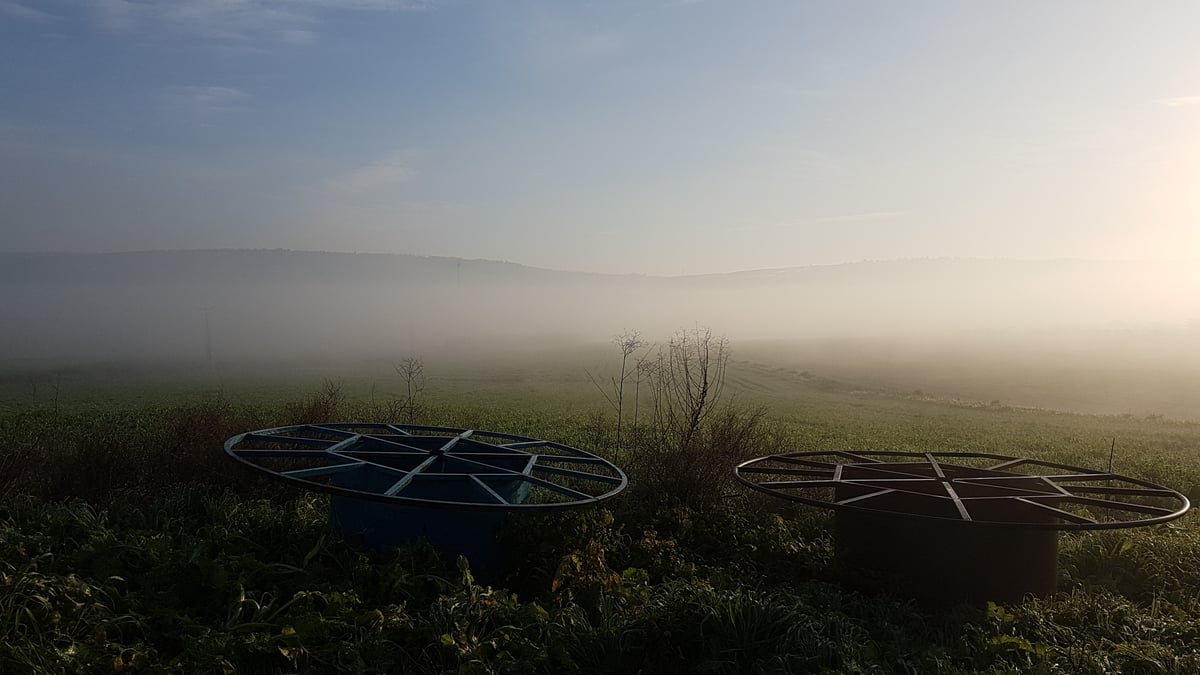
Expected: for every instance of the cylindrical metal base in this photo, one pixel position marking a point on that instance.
(379, 527)
(945, 562)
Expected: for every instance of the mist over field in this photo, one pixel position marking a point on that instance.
(857, 339)
(1094, 336)
(281, 304)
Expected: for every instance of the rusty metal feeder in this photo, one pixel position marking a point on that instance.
(953, 527)
(397, 483)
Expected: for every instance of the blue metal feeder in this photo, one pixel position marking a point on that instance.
(398, 483)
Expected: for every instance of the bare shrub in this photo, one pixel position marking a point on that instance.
(700, 475)
(687, 451)
(688, 381)
(321, 406)
(410, 405)
(629, 343)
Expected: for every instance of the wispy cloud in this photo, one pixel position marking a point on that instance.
(17, 10)
(385, 173)
(203, 103)
(120, 15)
(1176, 101)
(294, 21)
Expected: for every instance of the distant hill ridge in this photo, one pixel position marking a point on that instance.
(292, 266)
(253, 266)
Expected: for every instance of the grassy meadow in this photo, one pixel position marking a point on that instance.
(129, 543)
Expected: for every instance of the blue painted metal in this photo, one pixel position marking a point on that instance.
(394, 483)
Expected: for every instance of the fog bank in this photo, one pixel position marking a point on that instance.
(266, 305)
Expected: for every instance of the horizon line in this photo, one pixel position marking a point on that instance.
(861, 261)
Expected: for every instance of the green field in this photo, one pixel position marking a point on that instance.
(129, 543)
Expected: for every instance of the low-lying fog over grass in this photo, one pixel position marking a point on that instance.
(1095, 336)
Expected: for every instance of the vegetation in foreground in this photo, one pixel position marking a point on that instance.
(128, 543)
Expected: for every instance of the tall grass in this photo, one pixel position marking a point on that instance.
(130, 543)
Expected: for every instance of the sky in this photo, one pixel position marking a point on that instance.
(653, 137)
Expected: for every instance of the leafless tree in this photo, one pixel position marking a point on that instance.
(691, 379)
(629, 343)
(695, 436)
(411, 369)
(643, 370)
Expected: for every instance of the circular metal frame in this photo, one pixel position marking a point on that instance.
(964, 487)
(425, 466)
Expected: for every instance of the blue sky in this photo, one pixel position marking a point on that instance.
(654, 137)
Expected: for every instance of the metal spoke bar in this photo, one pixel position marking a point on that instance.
(1082, 477)
(555, 487)
(1109, 504)
(569, 459)
(902, 475)
(1065, 515)
(937, 469)
(398, 444)
(307, 454)
(788, 472)
(454, 441)
(1009, 463)
(861, 458)
(382, 467)
(408, 477)
(582, 475)
(564, 448)
(980, 494)
(515, 438)
(802, 484)
(873, 484)
(1105, 490)
(958, 503)
(859, 498)
(495, 495)
(1055, 486)
(408, 429)
(455, 467)
(493, 455)
(802, 462)
(294, 440)
(362, 429)
(933, 464)
(322, 470)
(329, 430)
(383, 453)
(986, 482)
(342, 444)
(491, 467)
(522, 445)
